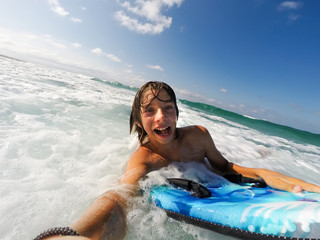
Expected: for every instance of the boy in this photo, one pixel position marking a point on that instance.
(154, 116)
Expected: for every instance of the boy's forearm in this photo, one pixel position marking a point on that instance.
(106, 218)
(245, 171)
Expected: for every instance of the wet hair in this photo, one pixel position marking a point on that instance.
(139, 102)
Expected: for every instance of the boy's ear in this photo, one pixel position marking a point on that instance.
(139, 125)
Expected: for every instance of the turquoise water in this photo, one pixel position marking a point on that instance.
(64, 140)
(263, 126)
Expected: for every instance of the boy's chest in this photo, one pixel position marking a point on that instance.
(185, 154)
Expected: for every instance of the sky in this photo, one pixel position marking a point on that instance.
(259, 58)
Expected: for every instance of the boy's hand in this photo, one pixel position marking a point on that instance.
(280, 181)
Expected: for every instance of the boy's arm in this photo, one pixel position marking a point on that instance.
(106, 217)
(273, 179)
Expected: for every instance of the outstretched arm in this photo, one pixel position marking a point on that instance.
(106, 217)
(272, 178)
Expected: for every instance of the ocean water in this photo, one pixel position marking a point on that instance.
(64, 140)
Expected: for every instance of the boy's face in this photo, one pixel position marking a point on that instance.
(158, 117)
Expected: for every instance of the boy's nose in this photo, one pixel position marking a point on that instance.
(159, 114)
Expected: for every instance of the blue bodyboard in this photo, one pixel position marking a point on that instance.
(244, 211)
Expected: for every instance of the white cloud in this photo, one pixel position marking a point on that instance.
(186, 94)
(193, 96)
(97, 51)
(51, 41)
(289, 5)
(76, 20)
(56, 7)
(293, 17)
(147, 15)
(76, 45)
(62, 54)
(100, 52)
(42, 48)
(155, 67)
(223, 90)
(113, 57)
(128, 71)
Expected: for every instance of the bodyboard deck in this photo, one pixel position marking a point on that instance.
(244, 211)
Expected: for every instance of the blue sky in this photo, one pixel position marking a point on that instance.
(259, 58)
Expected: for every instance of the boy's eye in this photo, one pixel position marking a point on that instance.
(169, 107)
(148, 110)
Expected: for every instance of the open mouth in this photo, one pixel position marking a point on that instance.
(163, 131)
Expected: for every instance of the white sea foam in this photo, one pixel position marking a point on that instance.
(64, 140)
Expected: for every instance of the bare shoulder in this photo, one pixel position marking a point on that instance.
(140, 156)
(145, 156)
(136, 167)
(144, 159)
(195, 130)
